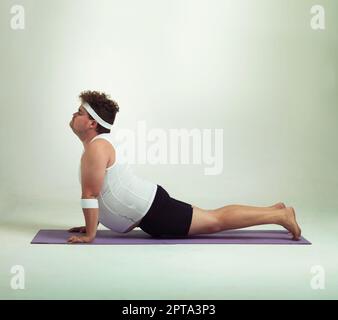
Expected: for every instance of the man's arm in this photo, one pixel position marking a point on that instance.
(91, 218)
(93, 168)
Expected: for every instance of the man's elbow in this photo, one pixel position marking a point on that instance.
(90, 195)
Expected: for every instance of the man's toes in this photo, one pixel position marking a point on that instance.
(282, 205)
(279, 205)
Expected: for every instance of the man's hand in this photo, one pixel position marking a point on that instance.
(78, 229)
(75, 239)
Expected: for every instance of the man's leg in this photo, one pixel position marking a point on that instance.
(238, 216)
(279, 205)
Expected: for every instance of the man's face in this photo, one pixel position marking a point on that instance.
(80, 121)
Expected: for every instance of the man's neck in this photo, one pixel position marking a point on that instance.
(87, 139)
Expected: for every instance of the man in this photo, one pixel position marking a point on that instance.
(120, 200)
(96, 157)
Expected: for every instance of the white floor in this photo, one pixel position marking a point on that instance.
(164, 271)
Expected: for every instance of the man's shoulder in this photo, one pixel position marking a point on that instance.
(101, 148)
(99, 144)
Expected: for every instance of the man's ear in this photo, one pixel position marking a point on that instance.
(93, 124)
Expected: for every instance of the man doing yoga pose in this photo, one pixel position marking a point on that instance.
(120, 200)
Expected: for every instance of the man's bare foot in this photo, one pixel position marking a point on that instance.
(290, 223)
(279, 205)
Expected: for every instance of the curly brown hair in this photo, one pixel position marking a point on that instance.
(103, 105)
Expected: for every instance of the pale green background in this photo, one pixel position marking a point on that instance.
(254, 68)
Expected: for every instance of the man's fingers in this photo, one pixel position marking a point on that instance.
(75, 239)
(71, 239)
(78, 229)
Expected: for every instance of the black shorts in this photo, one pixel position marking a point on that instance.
(167, 217)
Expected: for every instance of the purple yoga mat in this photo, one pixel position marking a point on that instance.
(106, 237)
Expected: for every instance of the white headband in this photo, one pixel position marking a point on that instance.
(96, 116)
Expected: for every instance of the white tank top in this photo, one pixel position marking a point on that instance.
(124, 198)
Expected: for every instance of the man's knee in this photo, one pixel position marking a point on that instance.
(204, 221)
(215, 226)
